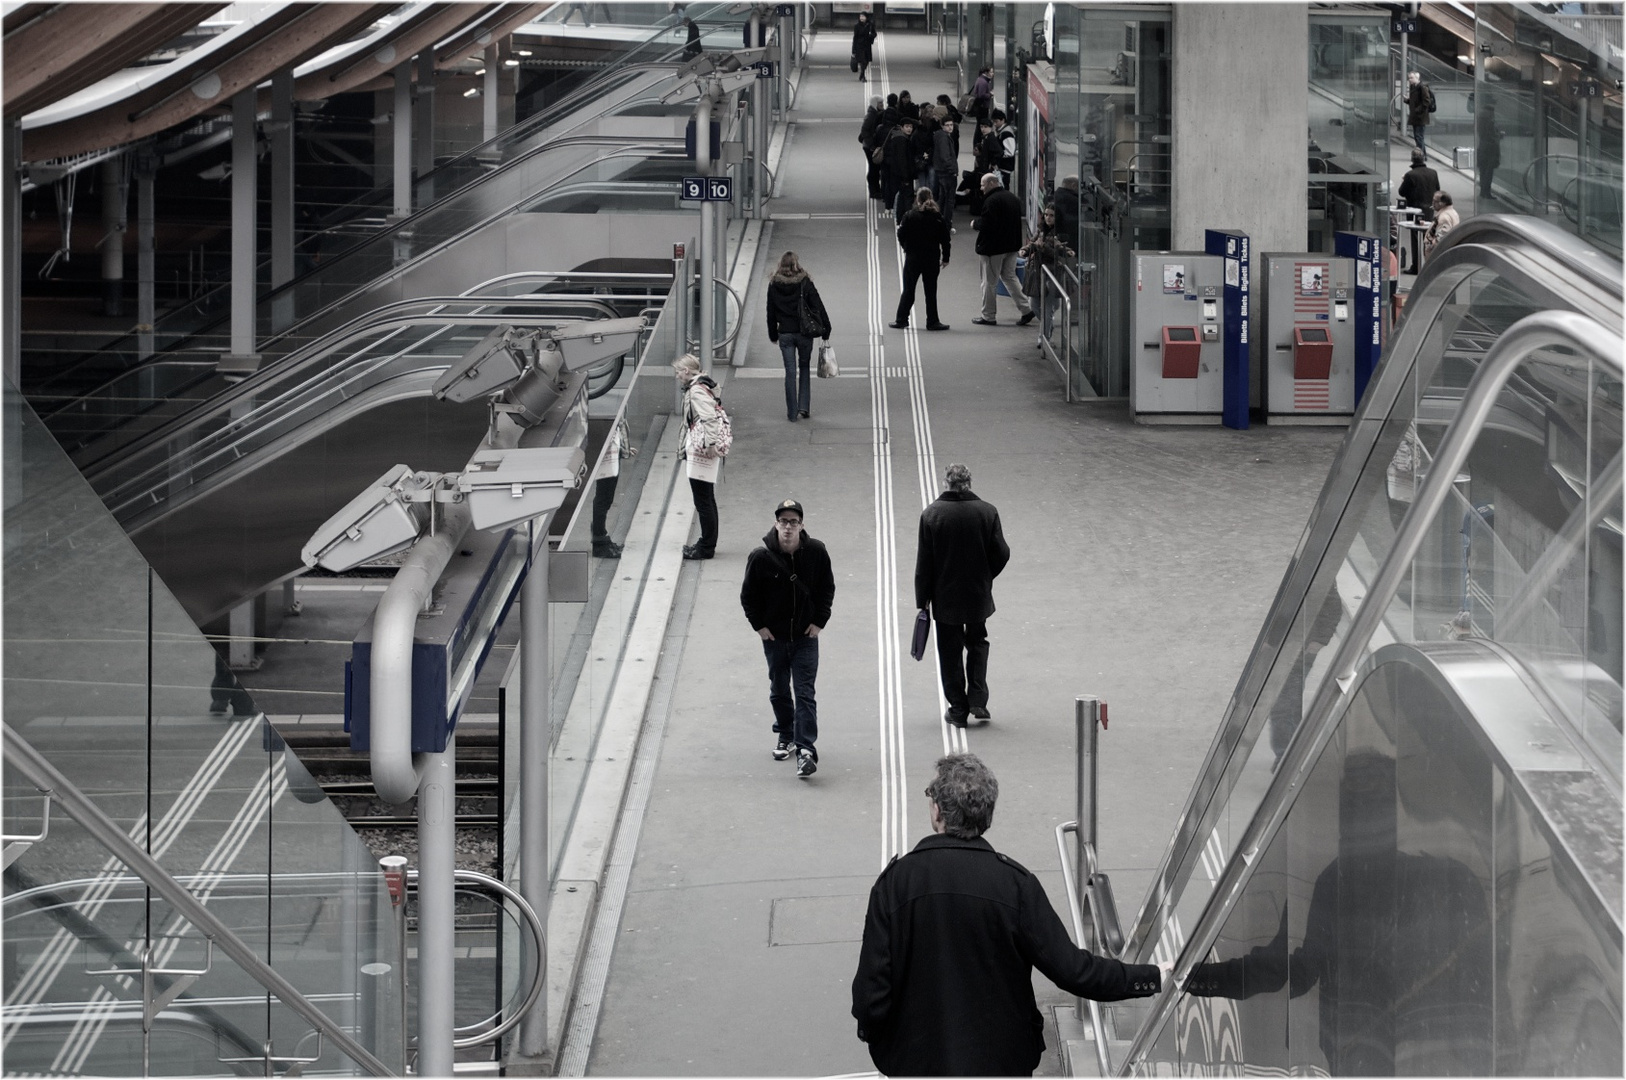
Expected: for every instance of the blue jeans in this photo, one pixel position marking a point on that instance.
(795, 664)
(1417, 134)
(797, 349)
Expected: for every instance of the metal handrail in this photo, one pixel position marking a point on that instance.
(1066, 312)
(1516, 345)
(1103, 1059)
(539, 972)
(1544, 256)
(50, 781)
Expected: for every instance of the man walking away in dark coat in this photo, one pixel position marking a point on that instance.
(953, 932)
(924, 237)
(1418, 186)
(786, 595)
(869, 137)
(1419, 106)
(962, 550)
(999, 238)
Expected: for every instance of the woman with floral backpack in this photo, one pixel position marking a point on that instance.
(707, 436)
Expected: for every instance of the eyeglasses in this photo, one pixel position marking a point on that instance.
(793, 523)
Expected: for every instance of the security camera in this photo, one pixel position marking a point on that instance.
(380, 521)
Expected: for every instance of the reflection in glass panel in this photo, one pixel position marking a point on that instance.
(1348, 150)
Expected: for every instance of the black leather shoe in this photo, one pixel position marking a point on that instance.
(805, 414)
(957, 719)
(937, 326)
(898, 325)
(985, 322)
(980, 712)
(1029, 317)
(606, 549)
(695, 551)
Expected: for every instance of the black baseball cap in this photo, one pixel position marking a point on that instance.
(788, 504)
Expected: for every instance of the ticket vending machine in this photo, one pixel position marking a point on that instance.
(1309, 338)
(1177, 370)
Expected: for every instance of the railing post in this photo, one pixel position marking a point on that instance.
(1087, 710)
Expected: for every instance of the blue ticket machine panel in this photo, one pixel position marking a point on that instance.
(1177, 370)
(1308, 336)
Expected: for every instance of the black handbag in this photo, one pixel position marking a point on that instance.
(854, 66)
(806, 321)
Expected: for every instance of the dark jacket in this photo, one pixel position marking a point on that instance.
(1000, 228)
(962, 550)
(945, 975)
(999, 148)
(945, 157)
(923, 235)
(1418, 186)
(901, 160)
(1419, 104)
(788, 295)
(693, 47)
(787, 593)
(863, 39)
(1066, 200)
(872, 121)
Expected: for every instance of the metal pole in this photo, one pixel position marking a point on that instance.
(401, 133)
(395, 878)
(787, 57)
(114, 198)
(535, 741)
(243, 222)
(11, 319)
(702, 153)
(146, 255)
(437, 839)
(493, 62)
(282, 195)
(1086, 709)
(39, 771)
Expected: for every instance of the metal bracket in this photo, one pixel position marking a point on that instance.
(17, 843)
(296, 1065)
(151, 1006)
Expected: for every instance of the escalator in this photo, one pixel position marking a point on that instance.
(582, 139)
(1403, 853)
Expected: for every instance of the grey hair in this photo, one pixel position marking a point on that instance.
(958, 477)
(965, 791)
(687, 367)
(876, 102)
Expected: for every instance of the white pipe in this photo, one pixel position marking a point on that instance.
(437, 899)
(702, 156)
(396, 771)
(536, 739)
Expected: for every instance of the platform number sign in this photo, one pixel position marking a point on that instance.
(764, 69)
(1586, 88)
(1405, 26)
(707, 189)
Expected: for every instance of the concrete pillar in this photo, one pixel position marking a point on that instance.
(488, 100)
(11, 217)
(535, 742)
(146, 171)
(423, 124)
(244, 194)
(1239, 129)
(401, 142)
(115, 196)
(282, 195)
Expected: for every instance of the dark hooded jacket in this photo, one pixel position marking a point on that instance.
(901, 158)
(924, 234)
(999, 230)
(788, 296)
(788, 593)
(962, 550)
(945, 974)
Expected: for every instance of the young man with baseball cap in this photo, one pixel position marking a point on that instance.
(787, 593)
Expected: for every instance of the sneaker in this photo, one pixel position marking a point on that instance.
(1029, 317)
(805, 765)
(985, 322)
(695, 551)
(937, 326)
(782, 749)
(980, 712)
(606, 549)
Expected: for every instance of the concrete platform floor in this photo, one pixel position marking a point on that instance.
(1144, 560)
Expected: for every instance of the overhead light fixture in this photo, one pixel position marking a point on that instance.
(480, 71)
(522, 52)
(510, 63)
(1546, 82)
(473, 91)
